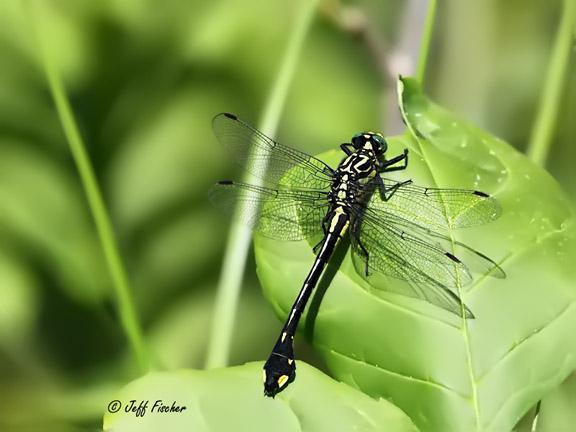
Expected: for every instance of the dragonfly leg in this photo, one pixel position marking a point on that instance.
(347, 148)
(318, 245)
(364, 254)
(280, 368)
(386, 194)
(388, 165)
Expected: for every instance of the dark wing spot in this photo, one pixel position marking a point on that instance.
(231, 116)
(482, 194)
(452, 257)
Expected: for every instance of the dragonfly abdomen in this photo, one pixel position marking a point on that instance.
(280, 368)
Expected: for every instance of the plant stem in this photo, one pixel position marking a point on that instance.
(426, 42)
(277, 98)
(239, 237)
(125, 303)
(541, 137)
(412, 45)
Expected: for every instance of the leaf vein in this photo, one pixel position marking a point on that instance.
(391, 372)
(532, 334)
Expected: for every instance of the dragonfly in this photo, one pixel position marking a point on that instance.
(395, 228)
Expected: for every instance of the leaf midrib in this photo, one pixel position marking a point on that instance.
(464, 327)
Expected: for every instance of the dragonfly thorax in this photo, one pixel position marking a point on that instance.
(361, 164)
(347, 178)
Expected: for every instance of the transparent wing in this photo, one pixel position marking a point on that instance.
(385, 250)
(471, 258)
(439, 209)
(267, 159)
(284, 214)
(383, 237)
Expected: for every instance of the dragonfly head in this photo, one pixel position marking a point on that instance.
(370, 141)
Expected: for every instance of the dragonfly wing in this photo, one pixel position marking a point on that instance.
(284, 214)
(439, 209)
(383, 238)
(267, 159)
(417, 283)
(472, 259)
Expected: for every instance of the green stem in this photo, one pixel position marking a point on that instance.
(542, 132)
(426, 41)
(127, 310)
(239, 236)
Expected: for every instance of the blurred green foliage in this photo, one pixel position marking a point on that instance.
(144, 82)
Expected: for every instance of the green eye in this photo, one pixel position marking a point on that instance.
(358, 135)
(380, 140)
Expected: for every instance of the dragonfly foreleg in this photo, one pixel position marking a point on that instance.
(388, 165)
(347, 148)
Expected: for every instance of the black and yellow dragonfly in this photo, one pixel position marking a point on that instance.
(395, 228)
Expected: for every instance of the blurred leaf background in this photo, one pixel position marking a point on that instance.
(144, 82)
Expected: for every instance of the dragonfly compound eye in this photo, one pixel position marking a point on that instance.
(380, 142)
(358, 140)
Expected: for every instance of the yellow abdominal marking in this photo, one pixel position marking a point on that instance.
(333, 223)
(338, 212)
(290, 361)
(282, 380)
(263, 375)
(344, 229)
(283, 336)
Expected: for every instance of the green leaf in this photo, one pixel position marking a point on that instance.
(231, 399)
(447, 373)
(554, 413)
(557, 411)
